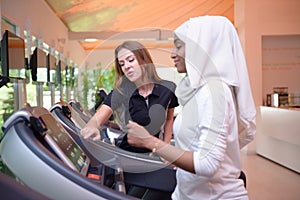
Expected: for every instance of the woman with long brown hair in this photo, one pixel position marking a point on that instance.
(139, 95)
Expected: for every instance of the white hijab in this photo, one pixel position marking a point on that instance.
(213, 51)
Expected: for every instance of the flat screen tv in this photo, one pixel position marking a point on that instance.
(68, 77)
(38, 65)
(12, 55)
(60, 72)
(72, 76)
(51, 68)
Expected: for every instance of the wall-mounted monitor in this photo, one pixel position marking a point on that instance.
(72, 76)
(38, 65)
(12, 55)
(51, 68)
(68, 75)
(60, 71)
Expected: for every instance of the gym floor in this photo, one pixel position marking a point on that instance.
(267, 180)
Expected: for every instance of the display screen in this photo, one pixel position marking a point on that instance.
(12, 55)
(51, 68)
(65, 143)
(38, 65)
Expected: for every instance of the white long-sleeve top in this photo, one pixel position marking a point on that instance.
(207, 125)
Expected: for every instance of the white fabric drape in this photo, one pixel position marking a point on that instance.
(213, 51)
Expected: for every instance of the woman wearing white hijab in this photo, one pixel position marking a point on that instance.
(218, 113)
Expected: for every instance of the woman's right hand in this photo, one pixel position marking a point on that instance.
(92, 132)
(91, 128)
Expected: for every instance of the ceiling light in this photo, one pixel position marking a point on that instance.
(90, 39)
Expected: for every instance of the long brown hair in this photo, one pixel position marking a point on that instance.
(144, 59)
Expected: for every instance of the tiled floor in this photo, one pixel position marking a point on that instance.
(267, 180)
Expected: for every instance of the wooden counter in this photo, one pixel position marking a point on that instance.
(278, 135)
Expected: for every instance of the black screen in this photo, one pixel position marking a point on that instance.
(38, 65)
(58, 72)
(51, 68)
(72, 76)
(12, 55)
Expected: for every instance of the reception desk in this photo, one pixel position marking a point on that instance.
(278, 135)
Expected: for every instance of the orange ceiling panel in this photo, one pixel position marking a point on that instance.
(120, 15)
(110, 17)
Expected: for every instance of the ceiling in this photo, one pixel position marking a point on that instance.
(152, 21)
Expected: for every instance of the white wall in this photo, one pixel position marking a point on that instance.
(281, 63)
(254, 19)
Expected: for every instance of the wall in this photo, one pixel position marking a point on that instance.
(254, 19)
(161, 57)
(281, 63)
(37, 17)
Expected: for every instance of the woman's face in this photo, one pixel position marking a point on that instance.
(130, 65)
(178, 55)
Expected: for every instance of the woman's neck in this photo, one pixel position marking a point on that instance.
(146, 89)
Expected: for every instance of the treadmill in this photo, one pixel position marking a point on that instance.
(141, 170)
(41, 155)
(84, 114)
